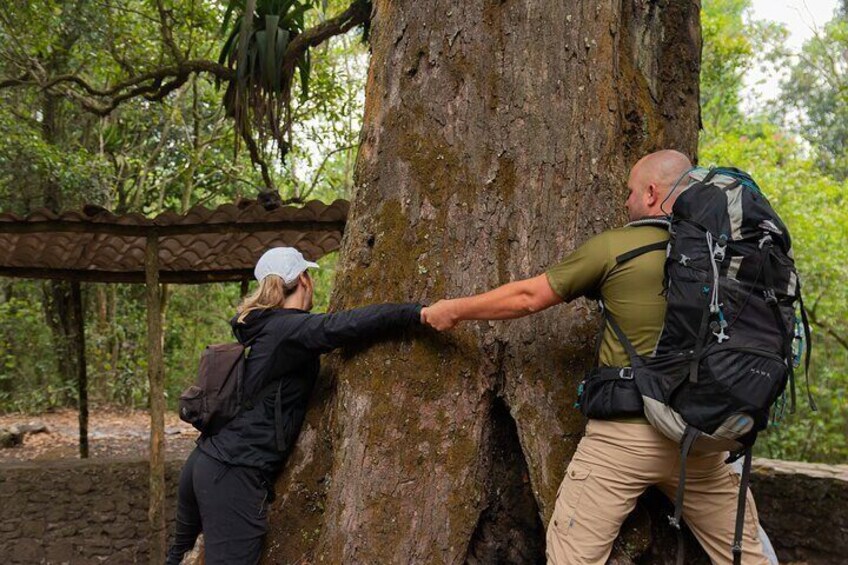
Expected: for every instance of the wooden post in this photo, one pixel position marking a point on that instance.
(82, 375)
(156, 377)
(245, 286)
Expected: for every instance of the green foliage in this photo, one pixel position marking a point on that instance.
(26, 382)
(146, 157)
(732, 45)
(812, 202)
(726, 56)
(816, 93)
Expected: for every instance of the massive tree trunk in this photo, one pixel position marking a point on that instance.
(497, 137)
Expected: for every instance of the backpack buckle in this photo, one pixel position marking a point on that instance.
(736, 549)
(626, 373)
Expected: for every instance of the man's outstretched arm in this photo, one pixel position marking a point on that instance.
(512, 300)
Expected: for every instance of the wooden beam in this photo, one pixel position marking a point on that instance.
(171, 277)
(156, 377)
(59, 226)
(82, 375)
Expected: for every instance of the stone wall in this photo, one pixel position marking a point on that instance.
(78, 511)
(95, 511)
(804, 509)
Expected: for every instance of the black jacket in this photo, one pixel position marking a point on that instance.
(285, 347)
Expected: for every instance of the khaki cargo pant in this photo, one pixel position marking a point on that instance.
(614, 463)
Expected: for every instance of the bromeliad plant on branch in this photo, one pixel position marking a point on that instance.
(266, 50)
(264, 77)
(257, 65)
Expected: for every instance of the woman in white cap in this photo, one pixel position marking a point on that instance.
(228, 479)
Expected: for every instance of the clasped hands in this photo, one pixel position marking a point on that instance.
(439, 316)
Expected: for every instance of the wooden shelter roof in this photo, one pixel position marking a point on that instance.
(203, 245)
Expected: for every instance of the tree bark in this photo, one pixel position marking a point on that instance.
(497, 137)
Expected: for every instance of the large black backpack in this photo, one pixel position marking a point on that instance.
(730, 338)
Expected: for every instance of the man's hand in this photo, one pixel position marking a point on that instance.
(507, 302)
(439, 316)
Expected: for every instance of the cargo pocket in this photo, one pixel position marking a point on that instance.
(569, 497)
(750, 512)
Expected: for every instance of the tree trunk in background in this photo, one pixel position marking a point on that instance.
(78, 338)
(497, 137)
(57, 303)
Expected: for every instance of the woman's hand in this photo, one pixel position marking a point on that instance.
(439, 316)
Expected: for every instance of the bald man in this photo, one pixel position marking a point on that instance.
(621, 454)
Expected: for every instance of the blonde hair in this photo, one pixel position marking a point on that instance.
(271, 293)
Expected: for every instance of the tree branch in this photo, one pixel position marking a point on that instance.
(167, 32)
(828, 329)
(257, 159)
(357, 13)
(23, 80)
(320, 169)
(185, 68)
(158, 83)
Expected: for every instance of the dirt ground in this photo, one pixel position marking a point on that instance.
(111, 433)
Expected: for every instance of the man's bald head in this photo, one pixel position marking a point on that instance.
(650, 180)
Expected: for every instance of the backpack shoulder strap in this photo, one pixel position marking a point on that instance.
(619, 260)
(657, 222)
(633, 253)
(628, 347)
(619, 333)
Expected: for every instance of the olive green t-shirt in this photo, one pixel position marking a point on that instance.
(632, 291)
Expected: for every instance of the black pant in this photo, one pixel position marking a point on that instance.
(228, 504)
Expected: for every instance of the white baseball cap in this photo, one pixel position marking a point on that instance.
(285, 262)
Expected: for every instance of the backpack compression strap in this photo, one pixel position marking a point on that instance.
(809, 345)
(690, 434)
(740, 508)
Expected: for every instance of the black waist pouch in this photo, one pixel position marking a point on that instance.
(610, 392)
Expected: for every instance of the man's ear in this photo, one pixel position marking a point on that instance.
(653, 194)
